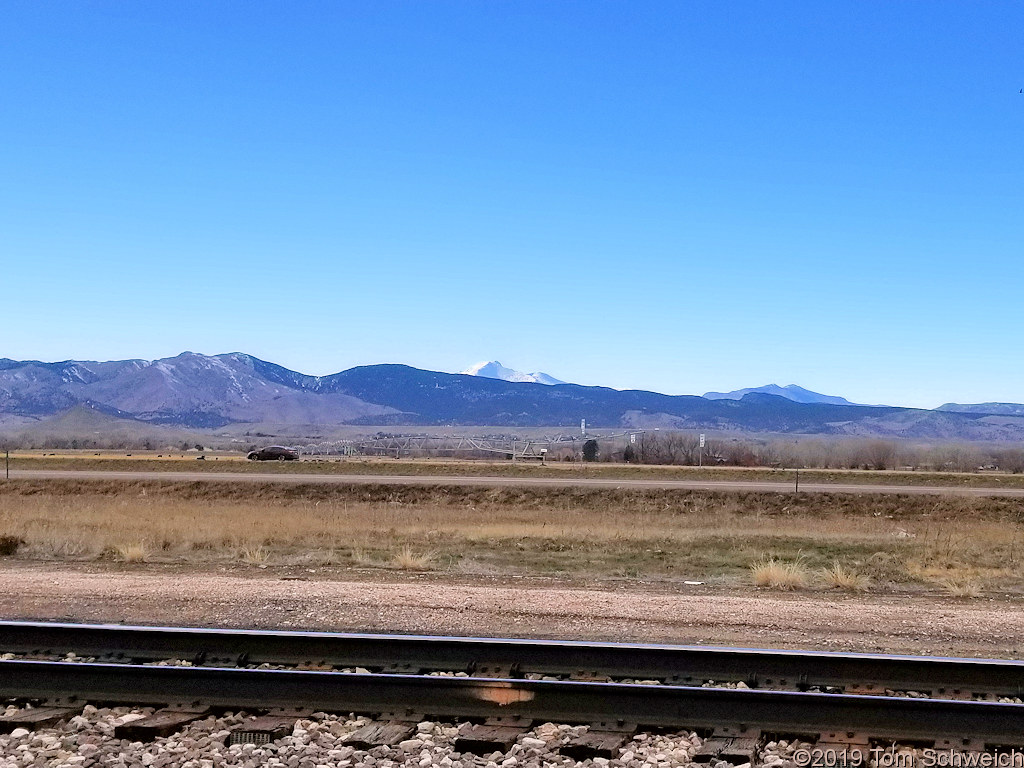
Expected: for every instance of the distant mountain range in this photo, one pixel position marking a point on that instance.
(188, 390)
(998, 409)
(495, 370)
(790, 392)
(195, 391)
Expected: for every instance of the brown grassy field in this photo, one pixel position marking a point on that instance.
(960, 546)
(89, 460)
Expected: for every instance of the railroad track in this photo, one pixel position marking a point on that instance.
(737, 698)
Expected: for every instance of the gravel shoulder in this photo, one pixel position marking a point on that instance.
(373, 601)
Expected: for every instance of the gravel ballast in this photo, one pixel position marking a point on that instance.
(88, 740)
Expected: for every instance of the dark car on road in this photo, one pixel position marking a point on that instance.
(273, 453)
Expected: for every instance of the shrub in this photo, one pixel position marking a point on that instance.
(840, 577)
(407, 560)
(254, 555)
(770, 572)
(962, 588)
(9, 545)
(135, 552)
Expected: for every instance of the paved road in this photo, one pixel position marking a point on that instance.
(469, 480)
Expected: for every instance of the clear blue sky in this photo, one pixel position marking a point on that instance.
(677, 196)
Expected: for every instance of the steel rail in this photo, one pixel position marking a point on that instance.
(679, 665)
(785, 712)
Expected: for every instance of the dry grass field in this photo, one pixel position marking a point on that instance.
(178, 462)
(959, 546)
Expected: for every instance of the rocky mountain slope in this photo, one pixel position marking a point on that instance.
(189, 390)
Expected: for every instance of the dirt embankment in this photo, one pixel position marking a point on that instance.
(498, 606)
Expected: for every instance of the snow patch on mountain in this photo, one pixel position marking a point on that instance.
(994, 409)
(790, 392)
(495, 370)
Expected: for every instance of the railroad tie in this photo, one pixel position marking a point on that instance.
(732, 746)
(961, 745)
(600, 740)
(400, 669)
(583, 676)
(498, 671)
(845, 746)
(958, 694)
(841, 739)
(865, 689)
(161, 723)
(381, 733)
(40, 717)
(971, 750)
(262, 730)
(497, 734)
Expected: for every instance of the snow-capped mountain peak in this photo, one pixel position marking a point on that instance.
(790, 392)
(495, 370)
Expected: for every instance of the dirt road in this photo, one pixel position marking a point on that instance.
(470, 480)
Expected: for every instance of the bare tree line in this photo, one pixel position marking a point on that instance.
(674, 448)
(683, 448)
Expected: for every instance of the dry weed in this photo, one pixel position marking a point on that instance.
(133, 552)
(841, 577)
(961, 587)
(769, 572)
(408, 560)
(592, 533)
(9, 545)
(62, 547)
(361, 557)
(325, 557)
(254, 555)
